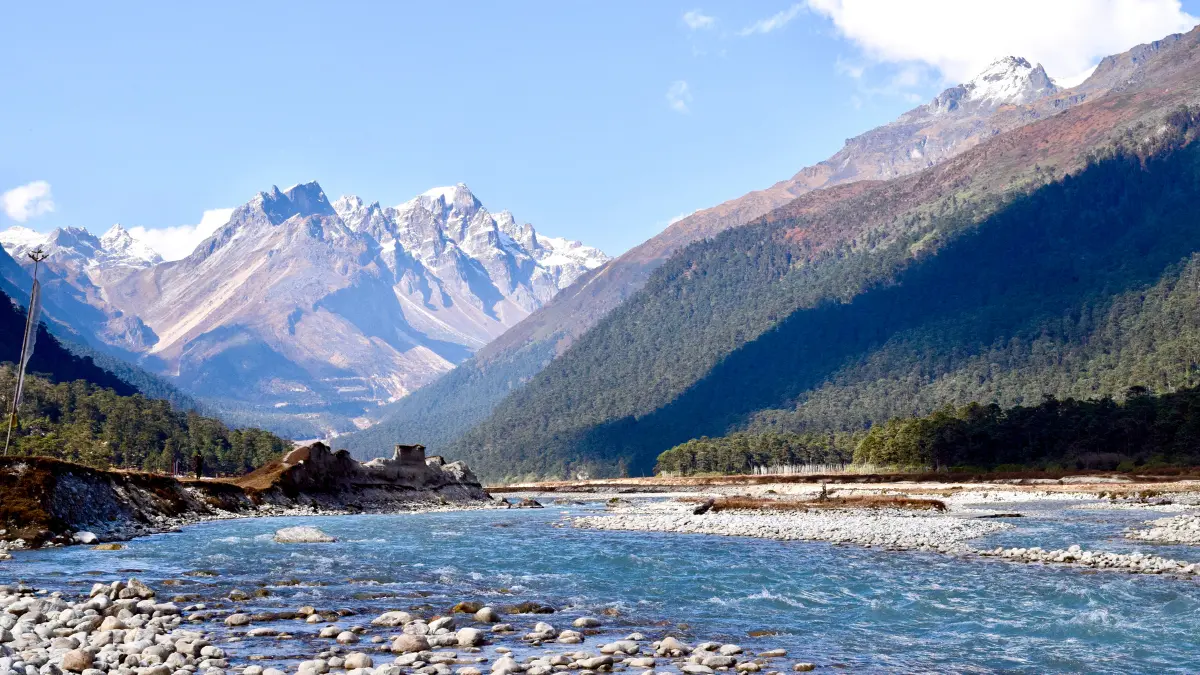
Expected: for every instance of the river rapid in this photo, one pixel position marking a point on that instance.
(840, 607)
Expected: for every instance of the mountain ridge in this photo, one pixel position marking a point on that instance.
(326, 308)
(614, 388)
(1008, 94)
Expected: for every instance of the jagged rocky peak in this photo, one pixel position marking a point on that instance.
(122, 249)
(115, 248)
(453, 198)
(302, 199)
(1010, 80)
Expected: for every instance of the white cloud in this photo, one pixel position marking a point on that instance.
(697, 20)
(28, 201)
(679, 96)
(960, 38)
(772, 23)
(175, 243)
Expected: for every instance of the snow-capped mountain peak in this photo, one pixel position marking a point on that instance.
(75, 245)
(21, 239)
(1010, 79)
(119, 248)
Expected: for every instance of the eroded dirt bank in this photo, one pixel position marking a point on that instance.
(46, 500)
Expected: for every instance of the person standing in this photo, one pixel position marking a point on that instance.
(198, 465)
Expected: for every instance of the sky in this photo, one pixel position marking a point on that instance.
(598, 121)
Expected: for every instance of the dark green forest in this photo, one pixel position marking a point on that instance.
(757, 329)
(81, 422)
(744, 452)
(1142, 431)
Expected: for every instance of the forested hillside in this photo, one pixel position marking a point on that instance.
(81, 422)
(882, 295)
(1141, 431)
(952, 123)
(73, 409)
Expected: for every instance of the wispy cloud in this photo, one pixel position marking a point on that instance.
(698, 20)
(852, 70)
(679, 96)
(178, 242)
(772, 23)
(28, 201)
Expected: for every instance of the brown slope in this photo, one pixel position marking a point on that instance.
(880, 154)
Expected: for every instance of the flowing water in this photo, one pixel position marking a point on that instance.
(838, 606)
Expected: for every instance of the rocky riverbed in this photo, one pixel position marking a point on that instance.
(124, 628)
(885, 528)
(1182, 529)
(948, 532)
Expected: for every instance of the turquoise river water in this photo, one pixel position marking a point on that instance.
(841, 607)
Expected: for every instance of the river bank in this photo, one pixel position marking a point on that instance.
(49, 502)
(861, 515)
(123, 627)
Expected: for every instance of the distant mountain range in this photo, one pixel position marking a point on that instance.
(715, 324)
(301, 315)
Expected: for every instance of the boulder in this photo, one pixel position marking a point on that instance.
(487, 615)
(302, 535)
(77, 660)
(357, 660)
(470, 637)
(238, 619)
(670, 646)
(392, 619)
(406, 644)
(586, 622)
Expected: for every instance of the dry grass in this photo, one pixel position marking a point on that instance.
(261, 479)
(848, 502)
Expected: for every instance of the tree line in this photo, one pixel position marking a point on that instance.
(81, 422)
(1142, 431)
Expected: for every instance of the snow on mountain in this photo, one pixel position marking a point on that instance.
(18, 240)
(302, 309)
(1010, 80)
(76, 245)
(122, 249)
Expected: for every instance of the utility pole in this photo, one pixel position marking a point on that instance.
(31, 326)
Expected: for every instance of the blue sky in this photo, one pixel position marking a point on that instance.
(600, 121)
